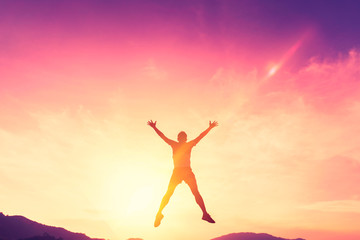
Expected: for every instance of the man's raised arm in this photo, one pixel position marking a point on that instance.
(153, 125)
(203, 134)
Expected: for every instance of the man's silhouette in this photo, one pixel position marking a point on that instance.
(182, 170)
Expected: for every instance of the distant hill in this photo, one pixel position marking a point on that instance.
(251, 236)
(19, 227)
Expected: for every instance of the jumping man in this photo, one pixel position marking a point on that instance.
(182, 170)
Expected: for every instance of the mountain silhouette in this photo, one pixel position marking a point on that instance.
(19, 227)
(251, 236)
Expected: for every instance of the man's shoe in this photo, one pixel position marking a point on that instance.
(158, 219)
(208, 218)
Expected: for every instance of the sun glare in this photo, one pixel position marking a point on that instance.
(273, 70)
(131, 191)
(140, 200)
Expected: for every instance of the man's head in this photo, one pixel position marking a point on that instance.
(182, 137)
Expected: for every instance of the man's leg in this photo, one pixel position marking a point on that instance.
(191, 181)
(171, 188)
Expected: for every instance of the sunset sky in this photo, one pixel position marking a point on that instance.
(80, 79)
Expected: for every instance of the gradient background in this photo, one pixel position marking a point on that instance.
(80, 79)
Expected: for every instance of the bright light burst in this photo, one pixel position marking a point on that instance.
(273, 70)
(288, 54)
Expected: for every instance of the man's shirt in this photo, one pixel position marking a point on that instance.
(182, 153)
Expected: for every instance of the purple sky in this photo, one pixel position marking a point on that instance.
(244, 22)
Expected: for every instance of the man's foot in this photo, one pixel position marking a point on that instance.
(158, 219)
(208, 218)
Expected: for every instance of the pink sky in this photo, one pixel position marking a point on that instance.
(79, 84)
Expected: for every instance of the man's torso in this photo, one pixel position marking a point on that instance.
(182, 153)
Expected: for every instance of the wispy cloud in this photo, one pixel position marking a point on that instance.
(341, 206)
(151, 70)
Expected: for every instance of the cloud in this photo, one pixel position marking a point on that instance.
(336, 178)
(330, 86)
(327, 86)
(152, 71)
(350, 206)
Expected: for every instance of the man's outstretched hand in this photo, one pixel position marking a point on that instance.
(151, 124)
(213, 124)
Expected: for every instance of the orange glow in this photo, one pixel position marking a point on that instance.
(76, 96)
